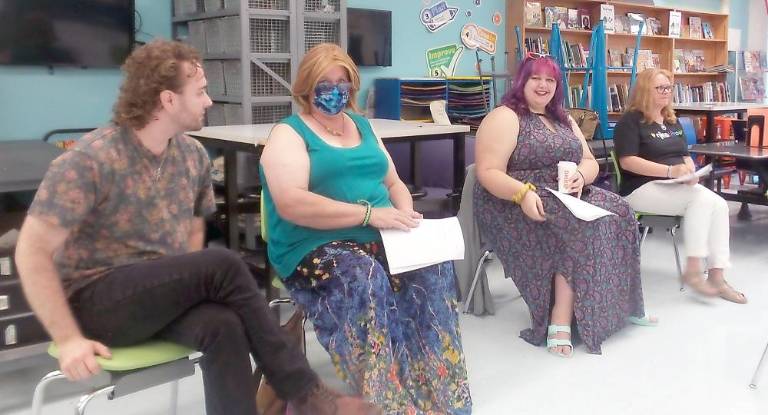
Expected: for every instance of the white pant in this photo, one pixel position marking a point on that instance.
(705, 217)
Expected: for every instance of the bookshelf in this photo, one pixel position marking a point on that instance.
(700, 54)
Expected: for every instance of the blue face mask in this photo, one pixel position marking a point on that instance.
(332, 98)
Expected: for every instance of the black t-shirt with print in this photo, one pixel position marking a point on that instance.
(655, 142)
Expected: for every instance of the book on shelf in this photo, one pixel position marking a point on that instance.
(621, 24)
(562, 16)
(706, 29)
(635, 19)
(584, 19)
(675, 23)
(751, 87)
(533, 15)
(712, 91)
(550, 17)
(678, 61)
(694, 23)
(537, 44)
(573, 19)
(653, 26)
(606, 15)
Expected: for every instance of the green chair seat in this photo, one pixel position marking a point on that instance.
(151, 353)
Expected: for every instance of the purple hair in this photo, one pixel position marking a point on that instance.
(515, 97)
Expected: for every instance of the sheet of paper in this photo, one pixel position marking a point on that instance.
(439, 114)
(682, 179)
(432, 242)
(579, 208)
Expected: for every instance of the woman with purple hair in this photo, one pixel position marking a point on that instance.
(570, 272)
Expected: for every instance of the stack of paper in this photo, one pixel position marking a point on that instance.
(432, 242)
(682, 179)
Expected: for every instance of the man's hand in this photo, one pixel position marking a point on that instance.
(77, 358)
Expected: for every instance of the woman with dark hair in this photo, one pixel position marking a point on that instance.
(564, 267)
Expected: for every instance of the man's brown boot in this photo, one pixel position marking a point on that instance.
(324, 401)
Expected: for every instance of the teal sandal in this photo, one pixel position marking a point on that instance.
(552, 342)
(643, 321)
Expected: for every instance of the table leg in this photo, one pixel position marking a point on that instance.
(230, 196)
(711, 127)
(458, 169)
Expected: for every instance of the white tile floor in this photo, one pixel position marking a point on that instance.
(699, 360)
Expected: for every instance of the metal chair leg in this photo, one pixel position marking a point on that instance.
(753, 383)
(39, 395)
(86, 399)
(478, 270)
(645, 234)
(174, 397)
(673, 232)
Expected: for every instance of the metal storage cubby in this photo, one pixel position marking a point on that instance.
(251, 84)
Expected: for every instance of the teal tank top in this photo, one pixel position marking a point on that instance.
(343, 174)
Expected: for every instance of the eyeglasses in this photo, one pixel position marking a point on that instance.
(536, 55)
(326, 86)
(663, 89)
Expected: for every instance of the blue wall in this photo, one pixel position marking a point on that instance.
(32, 101)
(410, 39)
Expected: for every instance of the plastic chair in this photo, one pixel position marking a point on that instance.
(475, 248)
(131, 369)
(651, 220)
(753, 383)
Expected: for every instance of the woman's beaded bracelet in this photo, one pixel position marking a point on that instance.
(367, 205)
(518, 197)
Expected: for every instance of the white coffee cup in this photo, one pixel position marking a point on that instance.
(565, 172)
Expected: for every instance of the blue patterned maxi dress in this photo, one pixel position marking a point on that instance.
(394, 338)
(599, 259)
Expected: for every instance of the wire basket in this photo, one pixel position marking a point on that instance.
(182, 7)
(270, 35)
(214, 42)
(231, 4)
(321, 5)
(268, 4)
(212, 5)
(233, 114)
(196, 36)
(215, 115)
(230, 31)
(270, 113)
(263, 84)
(316, 32)
(214, 72)
(232, 82)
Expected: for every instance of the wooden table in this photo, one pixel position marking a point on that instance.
(251, 138)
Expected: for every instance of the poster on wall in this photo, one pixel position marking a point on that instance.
(442, 60)
(438, 15)
(474, 36)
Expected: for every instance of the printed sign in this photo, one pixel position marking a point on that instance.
(474, 36)
(442, 60)
(438, 15)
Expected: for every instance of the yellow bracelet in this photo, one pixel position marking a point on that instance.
(518, 197)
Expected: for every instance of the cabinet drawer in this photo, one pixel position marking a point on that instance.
(7, 266)
(12, 300)
(21, 330)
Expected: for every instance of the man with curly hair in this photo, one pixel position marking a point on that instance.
(111, 252)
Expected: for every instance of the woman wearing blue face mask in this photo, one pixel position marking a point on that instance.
(329, 186)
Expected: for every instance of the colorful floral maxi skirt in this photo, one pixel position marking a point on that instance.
(395, 339)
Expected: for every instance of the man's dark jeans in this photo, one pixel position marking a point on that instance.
(205, 300)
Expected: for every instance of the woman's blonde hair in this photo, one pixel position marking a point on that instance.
(314, 65)
(642, 97)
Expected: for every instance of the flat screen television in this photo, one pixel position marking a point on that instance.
(82, 33)
(369, 36)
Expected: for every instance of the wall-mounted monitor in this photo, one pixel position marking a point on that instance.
(82, 33)
(369, 32)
